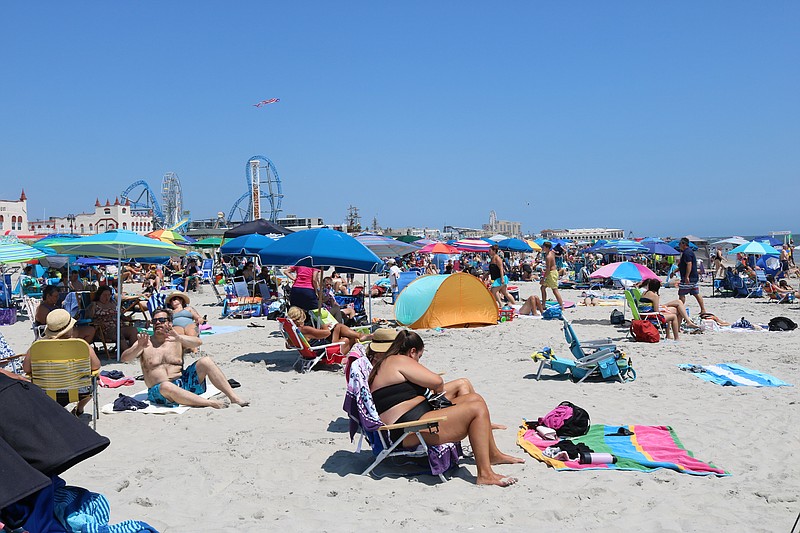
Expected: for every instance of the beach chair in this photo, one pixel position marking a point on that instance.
(207, 271)
(657, 319)
(756, 288)
(403, 280)
(157, 300)
(364, 419)
(64, 365)
(10, 361)
(598, 357)
(30, 305)
(309, 356)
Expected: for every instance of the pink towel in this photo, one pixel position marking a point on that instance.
(114, 383)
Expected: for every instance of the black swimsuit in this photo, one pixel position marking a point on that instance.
(387, 397)
(494, 271)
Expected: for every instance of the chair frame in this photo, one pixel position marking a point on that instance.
(31, 304)
(602, 349)
(49, 355)
(309, 355)
(390, 449)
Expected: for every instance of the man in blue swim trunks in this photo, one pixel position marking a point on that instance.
(168, 382)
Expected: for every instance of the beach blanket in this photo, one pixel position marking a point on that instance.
(219, 330)
(108, 409)
(649, 448)
(730, 374)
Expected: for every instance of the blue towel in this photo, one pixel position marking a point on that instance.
(731, 374)
(82, 511)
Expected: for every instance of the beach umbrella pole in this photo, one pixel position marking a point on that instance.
(119, 300)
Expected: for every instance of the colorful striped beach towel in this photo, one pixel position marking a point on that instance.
(730, 374)
(649, 448)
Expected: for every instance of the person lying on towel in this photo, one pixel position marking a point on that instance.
(168, 383)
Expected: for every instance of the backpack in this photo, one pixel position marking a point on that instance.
(552, 313)
(781, 323)
(644, 331)
(617, 318)
(568, 420)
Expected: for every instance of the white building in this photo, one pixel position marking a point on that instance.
(584, 234)
(14, 215)
(508, 228)
(105, 217)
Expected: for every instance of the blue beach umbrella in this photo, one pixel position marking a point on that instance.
(246, 244)
(676, 244)
(754, 248)
(16, 252)
(622, 246)
(660, 248)
(772, 241)
(321, 247)
(514, 245)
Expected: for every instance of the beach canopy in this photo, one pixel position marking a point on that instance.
(246, 244)
(407, 238)
(733, 240)
(385, 246)
(439, 248)
(445, 301)
(660, 248)
(321, 247)
(472, 245)
(624, 270)
(16, 252)
(514, 245)
(754, 248)
(260, 226)
(208, 242)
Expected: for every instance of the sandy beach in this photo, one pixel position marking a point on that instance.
(286, 462)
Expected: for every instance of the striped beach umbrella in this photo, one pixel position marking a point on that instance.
(754, 248)
(167, 235)
(472, 245)
(16, 252)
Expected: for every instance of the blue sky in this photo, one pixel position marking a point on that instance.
(661, 118)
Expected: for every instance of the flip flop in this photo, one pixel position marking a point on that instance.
(254, 325)
(233, 383)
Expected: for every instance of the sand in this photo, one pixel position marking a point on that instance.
(287, 461)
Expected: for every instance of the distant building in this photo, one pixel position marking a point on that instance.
(294, 222)
(584, 234)
(14, 215)
(424, 233)
(504, 227)
(104, 218)
(458, 232)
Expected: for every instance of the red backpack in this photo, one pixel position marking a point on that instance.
(644, 331)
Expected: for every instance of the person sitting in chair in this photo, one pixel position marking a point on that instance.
(103, 312)
(49, 303)
(60, 325)
(326, 334)
(168, 382)
(673, 311)
(185, 320)
(398, 383)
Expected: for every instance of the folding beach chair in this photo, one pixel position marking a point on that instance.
(157, 300)
(207, 271)
(632, 297)
(360, 408)
(309, 356)
(64, 365)
(756, 288)
(30, 305)
(598, 357)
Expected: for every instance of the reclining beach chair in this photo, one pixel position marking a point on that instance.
(756, 288)
(64, 364)
(309, 356)
(657, 319)
(598, 357)
(207, 271)
(31, 304)
(156, 301)
(364, 419)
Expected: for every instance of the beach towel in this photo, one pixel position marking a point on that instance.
(219, 330)
(730, 374)
(108, 409)
(648, 449)
(112, 383)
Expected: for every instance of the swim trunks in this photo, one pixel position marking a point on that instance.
(188, 382)
(688, 288)
(551, 281)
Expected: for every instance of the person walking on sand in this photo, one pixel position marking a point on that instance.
(687, 266)
(497, 272)
(161, 357)
(549, 279)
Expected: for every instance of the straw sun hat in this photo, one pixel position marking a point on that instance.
(59, 324)
(182, 295)
(382, 339)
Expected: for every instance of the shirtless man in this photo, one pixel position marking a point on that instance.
(549, 277)
(162, 365)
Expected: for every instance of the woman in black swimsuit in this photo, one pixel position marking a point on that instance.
(398, 383)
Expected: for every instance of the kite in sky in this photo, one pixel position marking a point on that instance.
(265, 102)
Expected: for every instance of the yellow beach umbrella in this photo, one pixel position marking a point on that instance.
(532, 244)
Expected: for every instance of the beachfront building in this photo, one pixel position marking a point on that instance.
(584, 234)
(295, 223)
(423, 233)
(459, 232)
(14, 215)
(503, 227)
(105, 217)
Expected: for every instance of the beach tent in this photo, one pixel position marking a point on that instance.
(446, 301)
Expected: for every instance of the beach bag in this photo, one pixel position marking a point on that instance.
(781, 323)
(644, 331)
(552, 313)
(568, 420)
(617, 318)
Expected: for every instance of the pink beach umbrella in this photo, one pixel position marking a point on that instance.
(624, 270)
(439, 248)
(472, 245)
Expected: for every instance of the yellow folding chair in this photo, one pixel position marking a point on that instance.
(64, 365)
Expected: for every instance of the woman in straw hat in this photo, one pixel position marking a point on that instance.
(60, 325)
(185, 320)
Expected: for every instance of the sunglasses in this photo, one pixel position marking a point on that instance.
(162, 320)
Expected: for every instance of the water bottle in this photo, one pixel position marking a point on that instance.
(585, 458)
